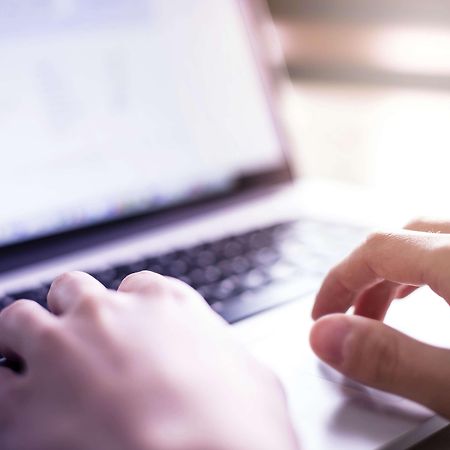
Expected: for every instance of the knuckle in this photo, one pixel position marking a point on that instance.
(148, 285)
(130, 279)
(142, 279)
(378, 237)
(343, 279)
(66, 279)
(376, 245)
(17, 311)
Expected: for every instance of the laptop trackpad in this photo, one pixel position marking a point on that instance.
(329, 410)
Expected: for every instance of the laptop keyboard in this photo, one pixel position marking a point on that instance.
(240, 275)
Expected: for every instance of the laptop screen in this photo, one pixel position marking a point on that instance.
(110, 108)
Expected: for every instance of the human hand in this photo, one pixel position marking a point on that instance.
(385, 267)
(149, 367)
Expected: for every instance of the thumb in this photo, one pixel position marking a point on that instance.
(379, 356)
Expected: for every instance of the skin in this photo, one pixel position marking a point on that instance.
(149, 367)
(387, 266)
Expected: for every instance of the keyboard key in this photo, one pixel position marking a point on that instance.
(200, 277)
(153, 265)
(265, 256)
(240, 275)
(240, 265)
(177, 268)
(282, 270)
(167, 259)
(106, 277)
(38, 294)
(254, 279)
(6, 301)
(204, 258)
(260, 239)
(223, 291)
(232, 249)
(132, 267)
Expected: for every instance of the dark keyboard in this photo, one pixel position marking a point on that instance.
(241, 275)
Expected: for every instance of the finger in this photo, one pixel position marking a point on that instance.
(374, 302)
(71, 289)
(145, 283)
(374, 354)
(429, 225)
(405, 290)
(20, 325)
(183, 290)
(154, 287)
(407, 257)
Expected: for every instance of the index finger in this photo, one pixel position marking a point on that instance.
(405, 257)
(71, 289)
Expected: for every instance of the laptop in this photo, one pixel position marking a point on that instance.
(144, 135)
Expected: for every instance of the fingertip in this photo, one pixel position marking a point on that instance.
(328, 336)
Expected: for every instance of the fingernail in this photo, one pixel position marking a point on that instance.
(328, 339)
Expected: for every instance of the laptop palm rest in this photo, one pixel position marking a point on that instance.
(329, 410)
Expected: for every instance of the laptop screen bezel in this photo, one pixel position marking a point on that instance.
(26, 252)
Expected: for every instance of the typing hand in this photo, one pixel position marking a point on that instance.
(148, 367)
(387, 266)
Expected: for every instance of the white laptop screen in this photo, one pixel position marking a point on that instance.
(114, 107)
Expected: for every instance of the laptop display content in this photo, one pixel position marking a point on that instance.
(133, 106)
(113, 108)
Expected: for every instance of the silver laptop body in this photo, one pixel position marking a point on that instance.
(145, 133)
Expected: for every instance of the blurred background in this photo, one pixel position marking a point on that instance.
(367, 95)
